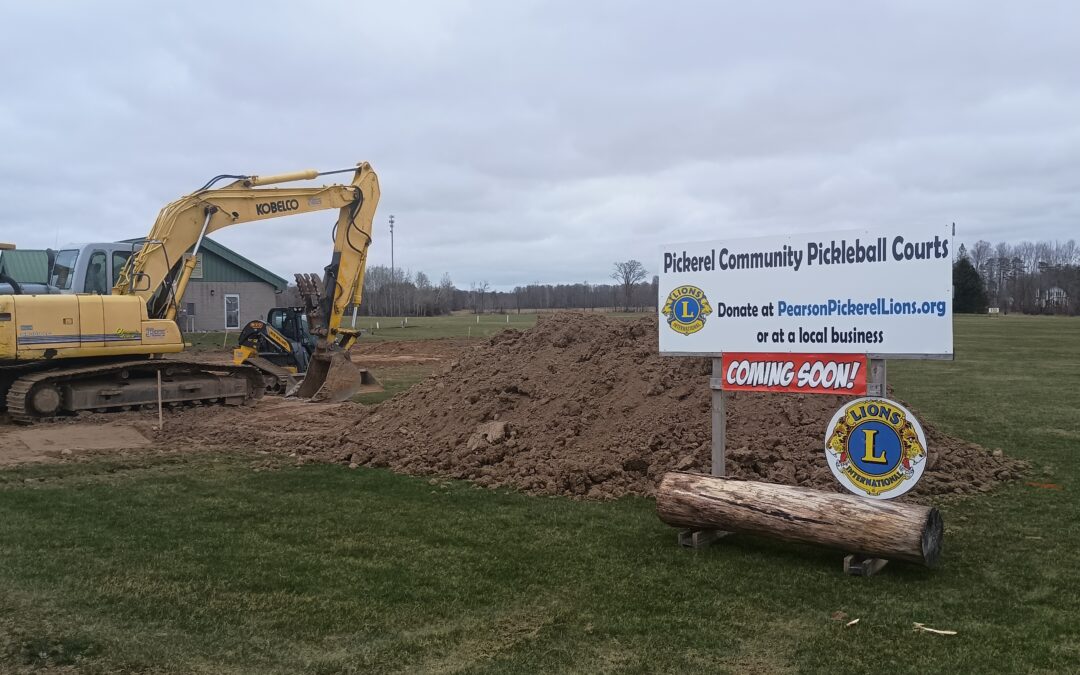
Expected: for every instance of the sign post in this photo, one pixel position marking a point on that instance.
(876, 384)
(719, 419)
(806, 313)
(702, 538)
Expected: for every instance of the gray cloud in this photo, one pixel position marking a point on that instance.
(539, 141)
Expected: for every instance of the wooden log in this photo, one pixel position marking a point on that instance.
(877, 528)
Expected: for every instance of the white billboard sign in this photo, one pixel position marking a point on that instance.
(886, 293)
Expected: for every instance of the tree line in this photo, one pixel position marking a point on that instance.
(400, 292)
(404, 293)
(1030, 277)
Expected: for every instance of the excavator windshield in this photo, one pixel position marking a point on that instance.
(63, 270)
(293, 324)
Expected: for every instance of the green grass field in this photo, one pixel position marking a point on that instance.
(426, 328)
(202, 564)
(396, 379)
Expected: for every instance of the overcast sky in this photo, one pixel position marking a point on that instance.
(540, 141)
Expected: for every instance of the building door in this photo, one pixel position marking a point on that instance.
(232, 311)
(189, 317)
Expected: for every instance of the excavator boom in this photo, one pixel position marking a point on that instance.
(161, 270)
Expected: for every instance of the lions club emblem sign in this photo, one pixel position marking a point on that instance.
(686, 308)
(876, 448)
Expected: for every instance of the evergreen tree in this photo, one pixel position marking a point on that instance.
(969, 295)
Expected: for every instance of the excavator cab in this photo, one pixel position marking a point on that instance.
(292, 322)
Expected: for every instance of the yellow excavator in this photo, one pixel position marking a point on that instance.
(62, 354)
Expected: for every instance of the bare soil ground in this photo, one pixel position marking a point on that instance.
(579, 405)
(582, 406)
(54, 442)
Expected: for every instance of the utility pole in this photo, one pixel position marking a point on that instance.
(393, 275)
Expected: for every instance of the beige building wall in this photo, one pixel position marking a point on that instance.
(208, 298)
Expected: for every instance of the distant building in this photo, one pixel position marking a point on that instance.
(1054, 297)
(25, 266)
(23, 271)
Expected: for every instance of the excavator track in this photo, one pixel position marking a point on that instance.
(65, 390)
(278, 380)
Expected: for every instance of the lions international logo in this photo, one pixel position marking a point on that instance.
(686, 309)
(875, 447)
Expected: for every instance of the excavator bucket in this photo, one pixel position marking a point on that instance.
(331, 376)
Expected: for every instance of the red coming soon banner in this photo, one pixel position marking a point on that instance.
(796, 373)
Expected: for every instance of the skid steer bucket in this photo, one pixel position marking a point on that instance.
(331, 376)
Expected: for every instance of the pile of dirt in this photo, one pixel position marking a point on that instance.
(583, 405)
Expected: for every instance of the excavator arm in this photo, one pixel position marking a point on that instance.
(159, 272)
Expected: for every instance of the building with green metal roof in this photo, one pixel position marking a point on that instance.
(25, 266)
(226, 290)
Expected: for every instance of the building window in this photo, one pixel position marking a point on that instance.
(232, 311)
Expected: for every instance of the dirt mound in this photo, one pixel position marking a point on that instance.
(583, 405)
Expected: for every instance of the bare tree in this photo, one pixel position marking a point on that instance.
(1068, 253)
(980, 253)
(479, 291)
(1003, 268)
(1028, 253)
(484, 287)
(423, 300)
(446, 294)
(627, 274)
